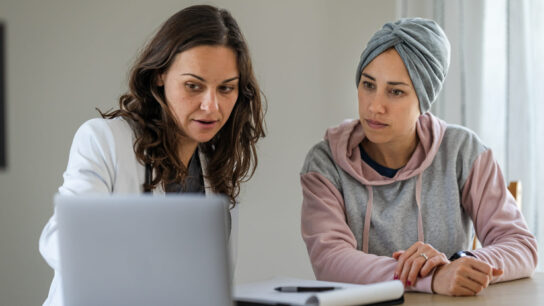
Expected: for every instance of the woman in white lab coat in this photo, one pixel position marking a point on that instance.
(188, 123)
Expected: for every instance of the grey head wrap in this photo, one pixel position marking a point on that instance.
(424, 49)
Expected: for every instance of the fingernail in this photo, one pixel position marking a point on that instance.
(408, 283)
(395, 276)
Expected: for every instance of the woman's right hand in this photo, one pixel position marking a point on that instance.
(463, 277)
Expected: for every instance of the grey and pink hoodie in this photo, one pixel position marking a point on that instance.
(353, 219)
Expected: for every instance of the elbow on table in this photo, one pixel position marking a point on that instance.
(532, 246)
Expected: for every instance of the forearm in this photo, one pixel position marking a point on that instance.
(346, 264)
(507, 242)
(517, 257)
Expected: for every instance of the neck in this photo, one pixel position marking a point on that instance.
(186, 151)
(391, 155)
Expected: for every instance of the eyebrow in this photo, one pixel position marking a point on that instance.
(390, 82)
(203, 80)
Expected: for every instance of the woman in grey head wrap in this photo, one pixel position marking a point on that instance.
(394, 194)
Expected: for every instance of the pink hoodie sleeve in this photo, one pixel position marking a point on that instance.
(500, 226)
(331, 244)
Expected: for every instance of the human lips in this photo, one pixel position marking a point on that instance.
(375, 124)
(206, 123)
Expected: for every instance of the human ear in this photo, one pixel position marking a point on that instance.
(160, 80)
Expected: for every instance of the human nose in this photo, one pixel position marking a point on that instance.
(377, 103)
(209, 102)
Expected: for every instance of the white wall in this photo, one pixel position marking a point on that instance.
(65, 58)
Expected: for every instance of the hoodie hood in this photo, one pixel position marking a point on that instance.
(345, 138)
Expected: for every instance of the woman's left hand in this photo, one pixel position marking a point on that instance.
(418, 260)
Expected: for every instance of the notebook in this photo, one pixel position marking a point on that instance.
(267, 292)
(143, 250)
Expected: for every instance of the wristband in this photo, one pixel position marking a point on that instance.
(461, 254)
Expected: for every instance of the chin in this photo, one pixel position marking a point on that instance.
(204, 138)
(375, 138)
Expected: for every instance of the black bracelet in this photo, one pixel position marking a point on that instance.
(461, 254)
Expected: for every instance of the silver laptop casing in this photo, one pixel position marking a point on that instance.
(143, 250)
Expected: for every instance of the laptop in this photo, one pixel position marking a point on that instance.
(143, 250)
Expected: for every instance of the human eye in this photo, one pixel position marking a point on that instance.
(227, 88)
(192, 86)
(397, 92)
(368, 85)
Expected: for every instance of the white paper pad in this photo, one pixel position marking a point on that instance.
(349, 294)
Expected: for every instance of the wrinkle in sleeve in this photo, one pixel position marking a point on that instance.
(331, 244)
(507, 242)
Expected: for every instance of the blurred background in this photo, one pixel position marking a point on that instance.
(65, 58)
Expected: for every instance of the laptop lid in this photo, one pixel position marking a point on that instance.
(143, 250)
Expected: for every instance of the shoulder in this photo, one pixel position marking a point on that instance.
(99, 131)
(105, 137)
(320, 160)
(319, 157)
(102, 159)
(463, 147)
(463, 140)
(106, 128)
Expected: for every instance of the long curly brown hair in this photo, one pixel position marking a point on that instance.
(231, 154)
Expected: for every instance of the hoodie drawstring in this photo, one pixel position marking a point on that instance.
(419, 183)
(366, 228)
(368, 214)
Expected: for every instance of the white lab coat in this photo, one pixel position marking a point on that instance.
(102, 160)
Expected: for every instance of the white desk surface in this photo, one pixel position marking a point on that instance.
(527, 291)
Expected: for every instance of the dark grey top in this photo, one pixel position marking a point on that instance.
(194, 182)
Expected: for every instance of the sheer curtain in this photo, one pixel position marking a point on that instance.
(525, 125)
(495, 85)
